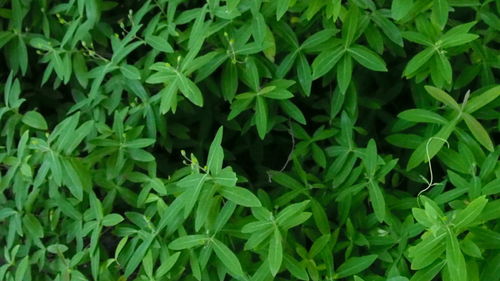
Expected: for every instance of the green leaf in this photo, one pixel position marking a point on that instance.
(189, 89)
(35, 120)
(293, 111)
(344, 73)
(278, 94)
(418, 61)
(281, 8)
(168, 97)
(427, 251)
(325, 61)
(112, 220)
(443, 97)
(258, 27)
(430, 147)
(140, 155)
(167, 265)
(367, 58)
(377, 199)
(33, 225)
(400, 8)
(261, 116)
(304, 74)
(469, 215)
(370, 158)
(350, 25)
(275, 255)
(422, 116)
(439, 14)
(188, 242)
(240, 196)
(458, 40)
(477, 102)
(130, 72)
(444, 67)
(57, 248)
(216, 153)
(296, 269)
(228, 258)
(159, 43)
(478, 131)
(291, 211)
(455, 261)
(138, 255)
(428, 273)
(229, 81)
(21, 269)
(389, 29)
(5, 37)
(354, 265)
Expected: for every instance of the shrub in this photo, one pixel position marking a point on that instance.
(249, 140)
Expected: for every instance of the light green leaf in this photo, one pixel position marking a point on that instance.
(478, 131)
(112, 219)
(35, 120)
(228, 258)
(455, 261)
(400, 8)
(240, 196)
(22, 268)
(130, 72)
(477, 102)
(167, 265)
(470, 213)
(350, 25)
(188, 242)
(159, 43)
(354, 265)
(427, 251)
(443, 97)
(458, 39)
(275, 255)
(367, 58)
(417, 62)
(189, 89)
(325, 61)
(428, 273)
(281, 8)
(439, 14)
(422, 116)
(216, 153)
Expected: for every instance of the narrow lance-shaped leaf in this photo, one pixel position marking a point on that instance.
(275, 256)
(240, 196)
(216, 153)
(478, 131)
(455, 261)
(325, 61)
(344, 73)
(367, 58)
(443, 97)
(354, 265)
(377, 200)
(261, 116)
(228, 258)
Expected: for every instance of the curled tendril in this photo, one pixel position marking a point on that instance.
(430, 182)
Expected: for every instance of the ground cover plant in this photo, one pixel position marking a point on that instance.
(249, 140)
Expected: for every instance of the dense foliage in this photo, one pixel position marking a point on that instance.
(249, 140)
